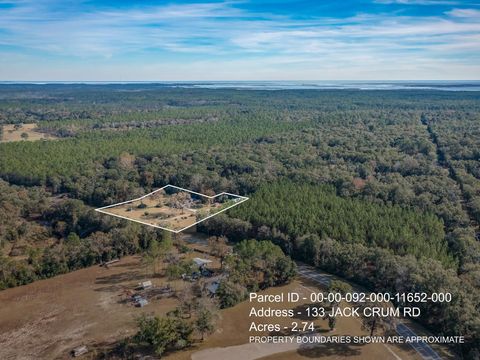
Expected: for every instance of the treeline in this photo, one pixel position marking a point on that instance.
(37, 163)
(134, 119)
(72, 253)
(371, 146)
(378, 155)
(457, 135)
(298, 209)
(42, 236)
(31, 103)
(380, 270)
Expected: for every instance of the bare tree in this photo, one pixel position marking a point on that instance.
(218, 247)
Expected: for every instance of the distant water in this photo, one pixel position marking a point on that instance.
(357, 85)
(457, 85)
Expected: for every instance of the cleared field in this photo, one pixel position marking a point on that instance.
(172, 208)
(153, 214)
(46, 319)
(26, 132)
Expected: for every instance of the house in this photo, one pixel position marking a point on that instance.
(206, 272)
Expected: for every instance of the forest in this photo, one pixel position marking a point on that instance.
(379, 187)
(318, 210)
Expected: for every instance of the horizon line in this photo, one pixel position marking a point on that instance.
(220, 81)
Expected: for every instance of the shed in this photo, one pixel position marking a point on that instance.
(145, 285)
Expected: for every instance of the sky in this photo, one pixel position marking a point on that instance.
(119, 40)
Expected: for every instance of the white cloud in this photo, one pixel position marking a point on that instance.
(465, 13)
(210, 35)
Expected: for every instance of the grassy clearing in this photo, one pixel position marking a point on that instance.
(23, 132)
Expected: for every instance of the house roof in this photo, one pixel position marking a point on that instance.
(201, 262)
(213, 287)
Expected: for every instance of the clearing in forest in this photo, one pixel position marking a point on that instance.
(19, 132)
(173, 208)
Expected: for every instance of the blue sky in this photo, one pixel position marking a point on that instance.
(239, 40)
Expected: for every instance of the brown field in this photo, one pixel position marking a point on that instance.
(175, 218)
(156, 210)
(11, 134)
(46, 319)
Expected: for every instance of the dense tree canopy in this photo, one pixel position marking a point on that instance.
(299, 209)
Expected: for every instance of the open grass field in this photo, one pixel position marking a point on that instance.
(11, 133)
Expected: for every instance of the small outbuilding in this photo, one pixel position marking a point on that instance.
(145, 285)
(201, 262)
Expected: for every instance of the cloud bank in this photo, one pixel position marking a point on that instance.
(54, 40)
